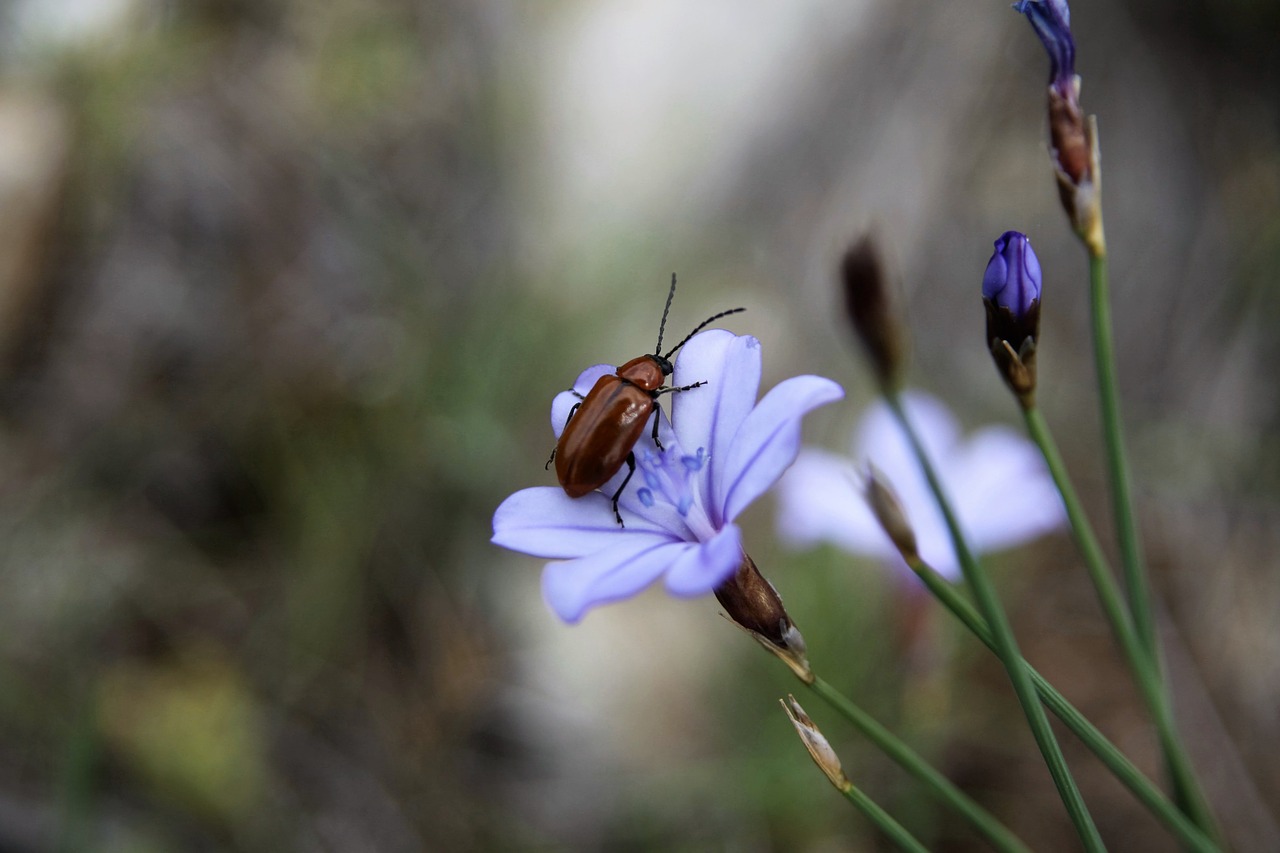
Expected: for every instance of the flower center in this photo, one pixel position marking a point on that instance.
(669, 479)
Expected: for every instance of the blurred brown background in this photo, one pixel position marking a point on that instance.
(286, 289)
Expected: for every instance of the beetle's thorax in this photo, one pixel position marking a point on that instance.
(647, 372)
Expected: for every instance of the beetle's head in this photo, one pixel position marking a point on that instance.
(664, 363)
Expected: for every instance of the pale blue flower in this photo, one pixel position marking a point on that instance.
(723, 449)
(998, 483)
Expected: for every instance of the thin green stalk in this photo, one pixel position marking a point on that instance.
(884, 821)
(943, 788)
(1145, 668)
(1123, 769)
(80, 756)
(1006, 645)
(1135, 575)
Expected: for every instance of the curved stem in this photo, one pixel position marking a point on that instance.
(1006, 645)
(1135, 575)
(885, 822)
(1123, 769)
(1145, 669)
(915, 764)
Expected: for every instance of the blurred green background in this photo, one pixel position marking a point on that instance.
(286, 290)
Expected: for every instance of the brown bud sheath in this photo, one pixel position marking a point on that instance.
(1069, 137)
(870, 310)
(1016, 366)
(752, 602)
(1077, 166)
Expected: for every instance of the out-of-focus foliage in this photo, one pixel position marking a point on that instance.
(286, 289)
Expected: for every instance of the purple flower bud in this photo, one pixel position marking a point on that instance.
(1051, 19)
(1013, 279)
(1011, 295)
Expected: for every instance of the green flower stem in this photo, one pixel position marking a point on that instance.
(1135, 575)
(943, 788)
(1123, 769)
(884, 821)
(77, 783)
(1006, 645)
(1145, 668)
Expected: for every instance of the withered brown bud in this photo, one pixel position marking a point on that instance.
(870, 309)
(887, 509)
(752, 602)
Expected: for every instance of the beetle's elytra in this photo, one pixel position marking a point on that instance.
(602, 430)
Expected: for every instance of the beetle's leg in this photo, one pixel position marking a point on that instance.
(684, 388)
(658, 407)
(631, 470)
(657, 421)
(552, 457)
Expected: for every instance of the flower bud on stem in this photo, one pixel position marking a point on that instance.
(890, 514)
(1073, 139)
(755, 606)
(1011, 296)
(870, 310)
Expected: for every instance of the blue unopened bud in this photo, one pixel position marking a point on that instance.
(1011, 295)
(1013, 278)
(1051, 19)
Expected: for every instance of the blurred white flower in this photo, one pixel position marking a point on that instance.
(999, 484)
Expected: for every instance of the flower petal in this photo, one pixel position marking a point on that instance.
(819, 501)
(703, 568)
(545, 522)
(566, 400)
(1051, 19)
(1001, 489)
(571, 588)
(710, 416)
(881, 440)
(768, 440)
(1003, 492)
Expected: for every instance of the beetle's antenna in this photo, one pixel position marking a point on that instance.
(671, 294)
(702, 326)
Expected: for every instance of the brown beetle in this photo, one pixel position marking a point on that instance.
(603, 428)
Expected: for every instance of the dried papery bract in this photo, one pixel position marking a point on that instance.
(869, 306)
(816, 743)
(755, 606)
